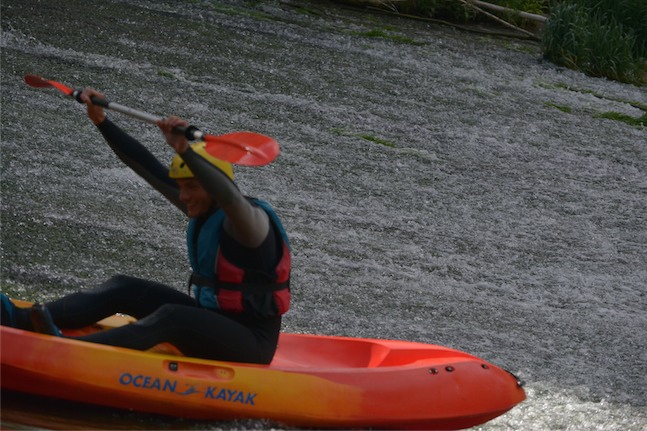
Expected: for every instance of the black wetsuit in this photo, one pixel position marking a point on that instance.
(165, 314)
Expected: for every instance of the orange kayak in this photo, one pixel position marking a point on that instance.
(313, 381)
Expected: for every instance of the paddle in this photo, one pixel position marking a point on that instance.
(241, 148)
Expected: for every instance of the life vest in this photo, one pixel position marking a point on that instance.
(218, 284)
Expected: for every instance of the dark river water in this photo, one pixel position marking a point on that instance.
(438, 186)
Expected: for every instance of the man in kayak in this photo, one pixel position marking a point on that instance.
(237, 247)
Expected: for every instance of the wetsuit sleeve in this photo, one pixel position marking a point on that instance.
(142, 161)
(246, 223)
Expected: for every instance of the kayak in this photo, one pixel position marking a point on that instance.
(314, 381)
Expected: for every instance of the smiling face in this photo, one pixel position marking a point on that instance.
(194, 196)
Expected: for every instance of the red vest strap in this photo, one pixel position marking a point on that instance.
(262, 300)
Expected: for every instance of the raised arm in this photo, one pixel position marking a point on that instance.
(132, 152)
(246, 223)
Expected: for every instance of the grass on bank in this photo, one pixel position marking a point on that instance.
(602, 38)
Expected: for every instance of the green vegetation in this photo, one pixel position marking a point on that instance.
(617, 116)
(435, 8)
(566, 109)
(460, 10)
(532, 6)
(564, 86)
(377, 140)
(611, 115)
(165, 74)
(604, 38)
(365, 136)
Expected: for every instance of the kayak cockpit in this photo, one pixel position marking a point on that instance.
(296, 351)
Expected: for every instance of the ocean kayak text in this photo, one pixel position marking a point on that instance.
(171, 386)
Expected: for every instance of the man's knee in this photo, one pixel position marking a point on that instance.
(115, 282)
(121, 279)
(165, 312)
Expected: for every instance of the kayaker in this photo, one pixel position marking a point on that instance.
(237, 248)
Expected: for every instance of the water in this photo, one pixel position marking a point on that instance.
(434, 192)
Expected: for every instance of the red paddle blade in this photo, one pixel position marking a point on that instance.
(243, 148)
(39, 82)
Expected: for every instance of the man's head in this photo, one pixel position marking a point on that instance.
(192, 194)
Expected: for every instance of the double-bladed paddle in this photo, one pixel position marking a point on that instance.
(241, 148)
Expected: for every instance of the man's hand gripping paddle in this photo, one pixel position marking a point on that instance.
(240, 148)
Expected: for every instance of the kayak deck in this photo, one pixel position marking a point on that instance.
(319, 351)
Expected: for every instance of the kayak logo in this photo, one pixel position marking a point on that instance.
(230, 395)
(153, 383)
(142, 381)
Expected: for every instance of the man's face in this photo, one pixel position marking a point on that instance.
(194, 196)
